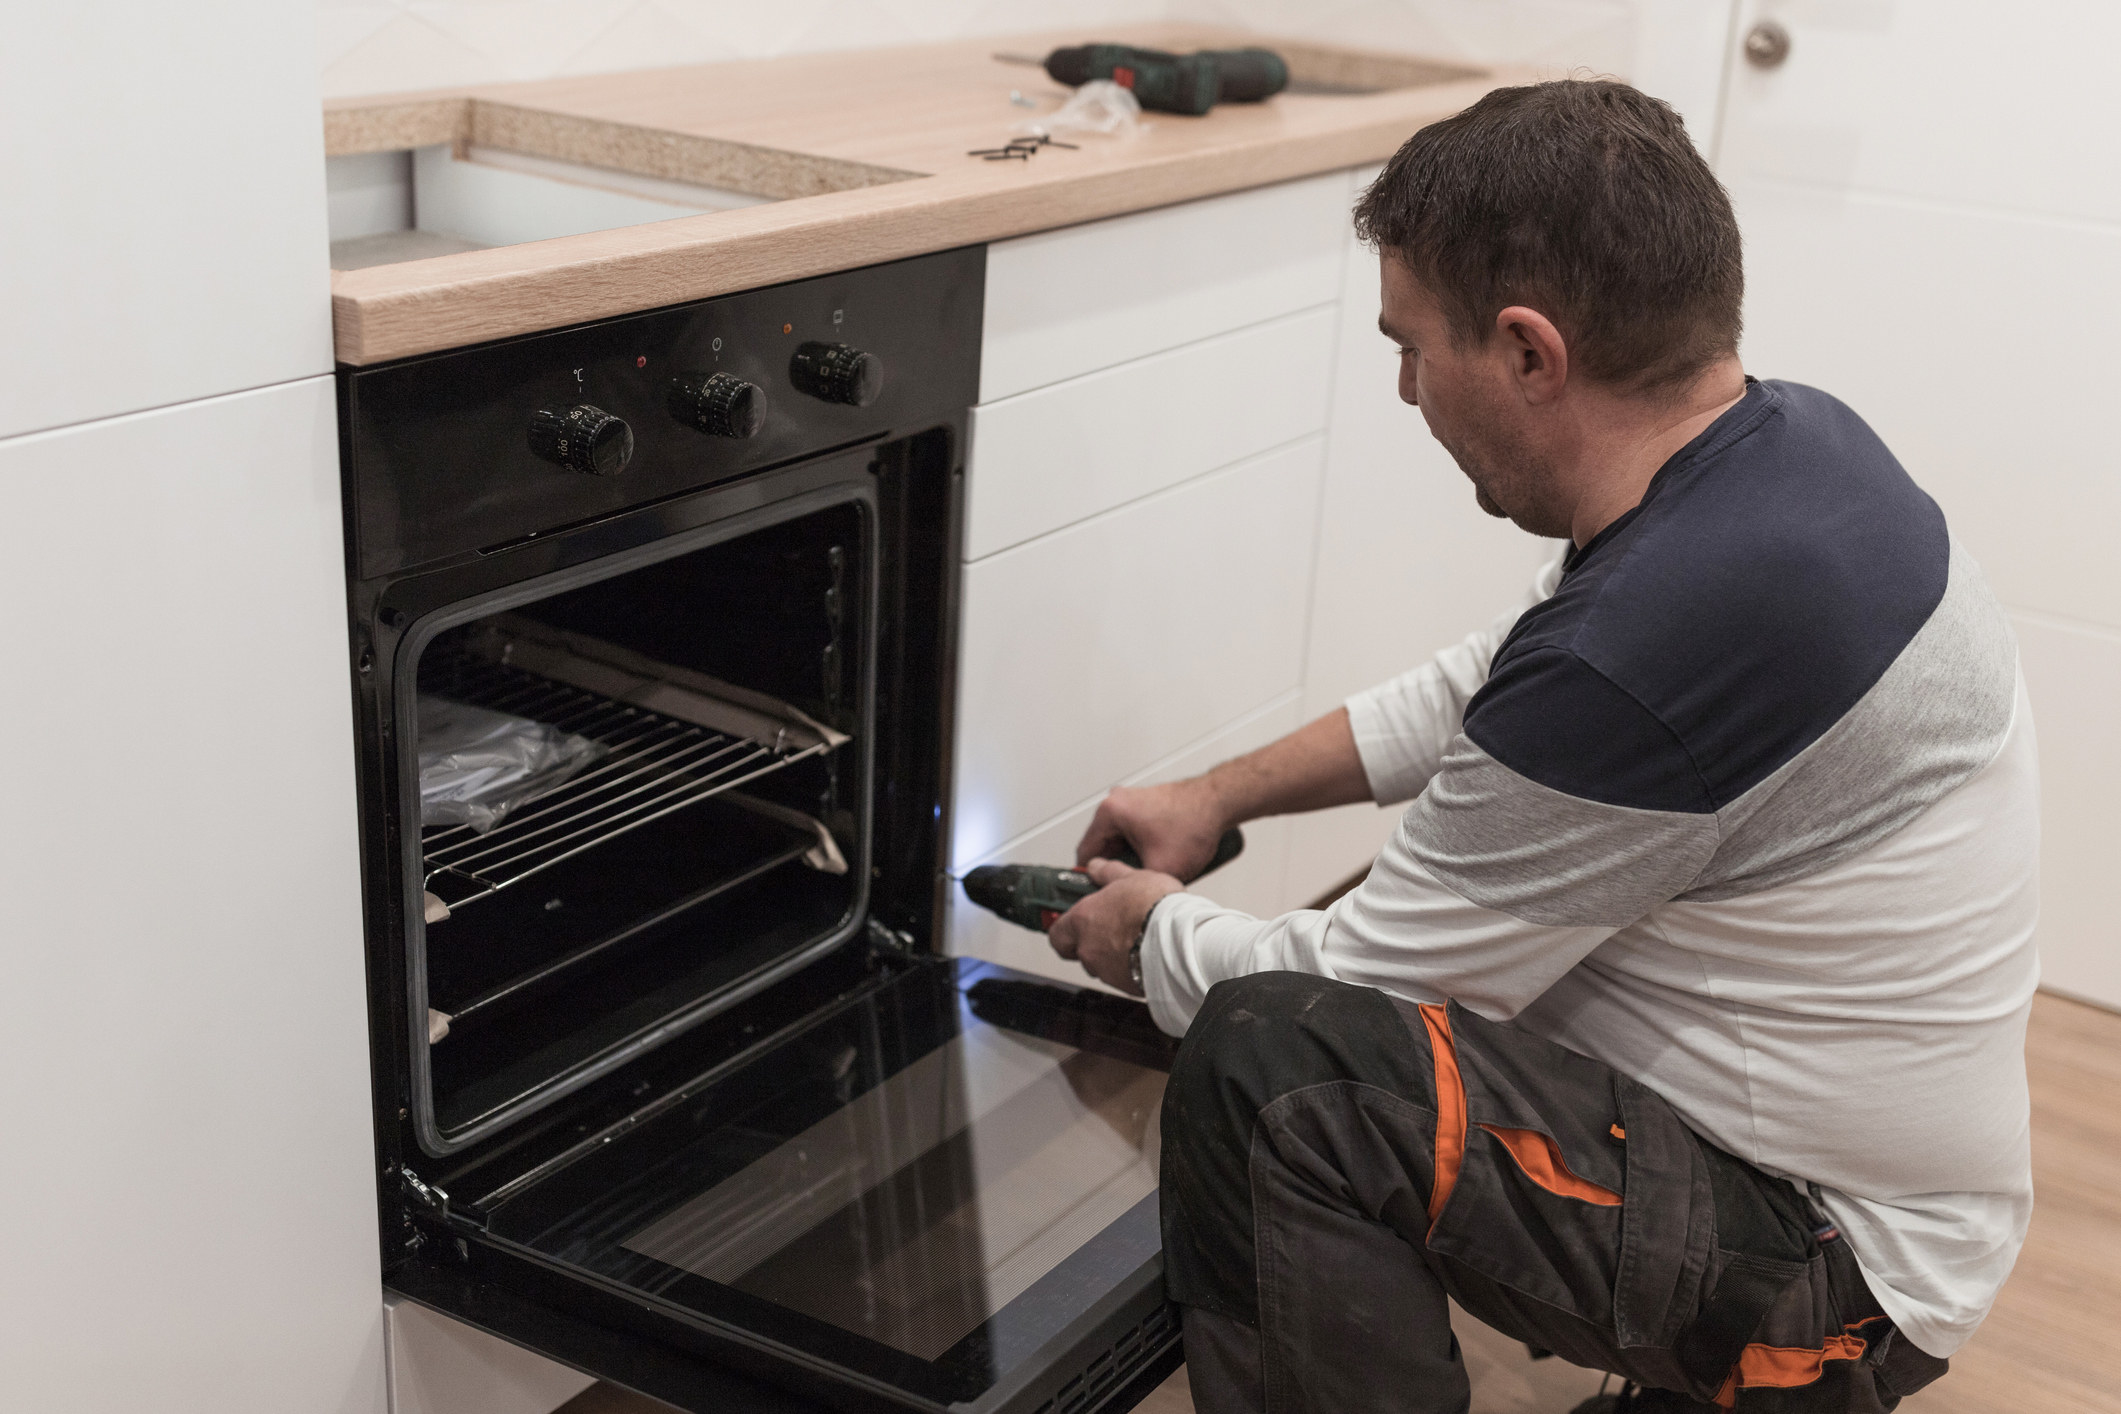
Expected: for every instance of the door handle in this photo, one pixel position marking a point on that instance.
(1767, 45)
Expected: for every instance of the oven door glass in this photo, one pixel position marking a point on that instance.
(937, 1190)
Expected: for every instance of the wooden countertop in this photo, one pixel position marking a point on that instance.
(866, 153)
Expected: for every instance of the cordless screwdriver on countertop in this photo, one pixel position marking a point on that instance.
(1035, 895)
(1165, 82)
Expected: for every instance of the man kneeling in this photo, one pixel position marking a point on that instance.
(1679, 1028)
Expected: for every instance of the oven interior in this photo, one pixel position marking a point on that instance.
(642, 797)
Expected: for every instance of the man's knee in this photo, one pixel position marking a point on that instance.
(1257, 1038)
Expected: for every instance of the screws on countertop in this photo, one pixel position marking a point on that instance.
(1020, 148)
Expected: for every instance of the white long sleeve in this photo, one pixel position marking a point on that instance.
(1401, 930)
(1487, 960)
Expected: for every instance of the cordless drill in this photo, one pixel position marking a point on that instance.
(1034, 895)
(1171, 83)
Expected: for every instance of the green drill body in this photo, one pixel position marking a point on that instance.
(1035, 895)
(1174, 83)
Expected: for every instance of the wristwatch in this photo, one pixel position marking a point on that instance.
(1134, 954)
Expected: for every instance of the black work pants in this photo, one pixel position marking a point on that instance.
(1336, 1163)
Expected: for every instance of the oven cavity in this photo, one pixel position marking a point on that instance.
(640, 800)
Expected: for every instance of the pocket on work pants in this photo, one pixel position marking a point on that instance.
(1566, 1182)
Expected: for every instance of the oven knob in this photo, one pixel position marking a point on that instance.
(837, 374)
(717, 404)
(582, 438)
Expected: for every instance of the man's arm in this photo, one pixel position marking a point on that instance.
(1405, 929)
(1509, 869)
(1174, 827)
(1384, 745)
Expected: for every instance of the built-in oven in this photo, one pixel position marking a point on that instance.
(652, 639)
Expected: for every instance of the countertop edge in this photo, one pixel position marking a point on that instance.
(425, 307)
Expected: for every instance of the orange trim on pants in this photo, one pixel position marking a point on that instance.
(1784, 1367)
(1450, 1109)
(1541, 1161)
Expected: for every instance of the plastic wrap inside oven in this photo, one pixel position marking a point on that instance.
(477, 764)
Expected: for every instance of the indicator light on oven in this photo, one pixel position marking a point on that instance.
(640, 361)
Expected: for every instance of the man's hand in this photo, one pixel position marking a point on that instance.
(1100, 931)
(1174, 828)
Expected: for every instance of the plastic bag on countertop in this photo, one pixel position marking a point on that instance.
(1099, 106)
(476, 764)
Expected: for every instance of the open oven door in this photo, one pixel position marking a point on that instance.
(936, 1192)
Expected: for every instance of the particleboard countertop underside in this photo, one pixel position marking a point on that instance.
(866, 153)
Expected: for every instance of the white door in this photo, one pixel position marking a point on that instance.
(1931, 200)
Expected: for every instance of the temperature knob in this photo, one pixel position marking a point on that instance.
(582, 438)
(717, 404)
(837, 374)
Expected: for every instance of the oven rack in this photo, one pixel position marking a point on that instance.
(652, 765)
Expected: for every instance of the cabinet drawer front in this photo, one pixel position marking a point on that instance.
(1056, 455)
(1063, 303)
(1095, 652)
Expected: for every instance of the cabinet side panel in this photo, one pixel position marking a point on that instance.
(190, 1224)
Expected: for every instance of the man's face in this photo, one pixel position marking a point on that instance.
(1472, 405)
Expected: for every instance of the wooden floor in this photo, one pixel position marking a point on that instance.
(2042, 1351)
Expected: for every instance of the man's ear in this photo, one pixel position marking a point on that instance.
(1539, 357)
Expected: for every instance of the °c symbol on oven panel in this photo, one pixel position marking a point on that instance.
(718, 404)
(582, 438)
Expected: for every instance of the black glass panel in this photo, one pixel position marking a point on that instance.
(909, 1187)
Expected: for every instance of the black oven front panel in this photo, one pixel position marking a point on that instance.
(479, 448)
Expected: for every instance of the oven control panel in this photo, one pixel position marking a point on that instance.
(450, 455)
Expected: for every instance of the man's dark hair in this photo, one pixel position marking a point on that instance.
(1584, 200)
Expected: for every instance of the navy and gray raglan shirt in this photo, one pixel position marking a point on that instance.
(1745, 805)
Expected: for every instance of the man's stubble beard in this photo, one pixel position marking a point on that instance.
(1511, 470)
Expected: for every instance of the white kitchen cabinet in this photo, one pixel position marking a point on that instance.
(442, 1366)
(164, 236)
(1407, 563)
(190, 1220)
(1253, 881)
(1090, 654)
(1067, 302)
(1059, 454)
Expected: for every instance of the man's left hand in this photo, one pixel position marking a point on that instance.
(1100, 931)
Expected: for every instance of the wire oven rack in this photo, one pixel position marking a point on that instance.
(653, 765)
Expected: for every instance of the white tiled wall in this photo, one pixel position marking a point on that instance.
(380, 46)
